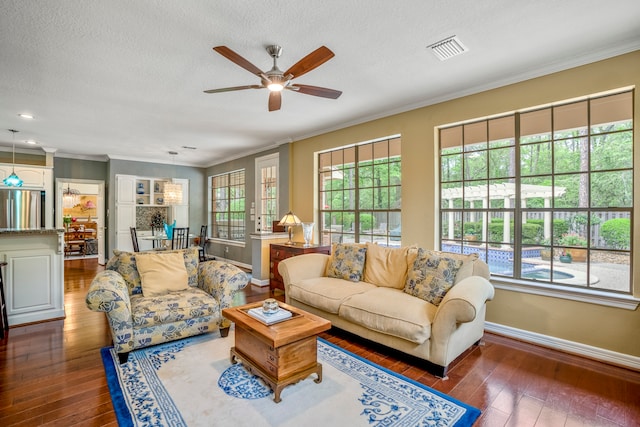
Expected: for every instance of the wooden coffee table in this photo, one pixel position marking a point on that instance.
(282, 353)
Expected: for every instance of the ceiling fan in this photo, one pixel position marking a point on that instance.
(275, 80)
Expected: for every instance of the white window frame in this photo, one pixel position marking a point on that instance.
(228, 242)
(261, 217)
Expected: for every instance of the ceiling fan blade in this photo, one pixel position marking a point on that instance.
(310, 62)
(239, 60)
(229, 89)
(275, 100)
(315, 91)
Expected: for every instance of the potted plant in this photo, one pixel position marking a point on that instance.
(66, 220)
(572, 239)
(566, 257)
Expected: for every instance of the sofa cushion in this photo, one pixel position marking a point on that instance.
(161, 273)
(347, 261)
(125, 263)
(386, 266)
(392, 312)
(431, 276)
(172, 307)
(326, 293)
(468, 261)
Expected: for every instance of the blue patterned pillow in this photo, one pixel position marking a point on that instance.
(347, 262)
(431, 276)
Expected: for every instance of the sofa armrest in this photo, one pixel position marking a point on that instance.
(221, 280)
(462, 304)
(459, 320)
(302, 267)
(109, 293)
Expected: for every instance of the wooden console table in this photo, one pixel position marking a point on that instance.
(280, 252)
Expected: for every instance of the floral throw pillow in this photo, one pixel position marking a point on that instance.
(347, 262)
(431, 276)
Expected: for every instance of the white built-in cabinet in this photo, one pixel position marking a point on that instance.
(34, 275)
(134, 192)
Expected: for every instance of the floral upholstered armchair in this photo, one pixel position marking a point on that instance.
(154, 297)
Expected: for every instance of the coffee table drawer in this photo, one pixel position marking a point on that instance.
(278, 362)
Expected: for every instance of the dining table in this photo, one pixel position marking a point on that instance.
(162, 238)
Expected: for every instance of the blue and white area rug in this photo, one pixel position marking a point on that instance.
(193, 383)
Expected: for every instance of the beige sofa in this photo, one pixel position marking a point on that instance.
(378, 301)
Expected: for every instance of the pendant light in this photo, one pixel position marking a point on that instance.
(13, 180)
(70, 197)
(172, 191)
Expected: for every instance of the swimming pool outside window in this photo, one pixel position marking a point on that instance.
(545, 194)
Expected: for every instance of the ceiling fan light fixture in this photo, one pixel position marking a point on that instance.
(275, 87)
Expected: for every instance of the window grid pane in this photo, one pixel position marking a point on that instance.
(360, 193)
(560, 209)
(228, 206)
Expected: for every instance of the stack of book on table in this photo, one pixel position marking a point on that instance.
(270, 318)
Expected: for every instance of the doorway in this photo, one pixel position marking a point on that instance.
(82, 202)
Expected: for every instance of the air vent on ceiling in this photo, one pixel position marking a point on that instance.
(448, 48)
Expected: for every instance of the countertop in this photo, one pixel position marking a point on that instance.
(30, 231)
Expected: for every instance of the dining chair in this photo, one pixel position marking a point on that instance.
(180, 238)
(134, 239)
(203, 244)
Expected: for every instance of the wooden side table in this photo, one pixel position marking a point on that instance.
(279, 252)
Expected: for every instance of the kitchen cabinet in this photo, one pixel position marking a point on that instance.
(34, 274)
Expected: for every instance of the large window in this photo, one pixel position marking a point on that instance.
(359, 193)
(227, 216)
(544, 195)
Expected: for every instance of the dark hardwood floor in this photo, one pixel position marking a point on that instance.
(51, 374)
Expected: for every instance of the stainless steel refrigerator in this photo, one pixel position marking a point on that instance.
(21, 209)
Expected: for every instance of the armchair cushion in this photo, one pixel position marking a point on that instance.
(161, 273)
(172, 307)
(125, 264)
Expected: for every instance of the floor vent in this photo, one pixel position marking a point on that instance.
(448, 48)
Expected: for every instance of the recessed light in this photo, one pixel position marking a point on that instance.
(25, 116)
(31, 142)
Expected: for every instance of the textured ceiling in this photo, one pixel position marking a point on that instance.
(125, 79)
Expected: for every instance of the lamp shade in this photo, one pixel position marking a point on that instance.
(172, 193)
(12, 180)
(290, 219)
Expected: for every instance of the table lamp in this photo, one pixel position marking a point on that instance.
(289, 220)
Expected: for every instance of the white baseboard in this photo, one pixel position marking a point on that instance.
(596, 353)
(258, 282)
